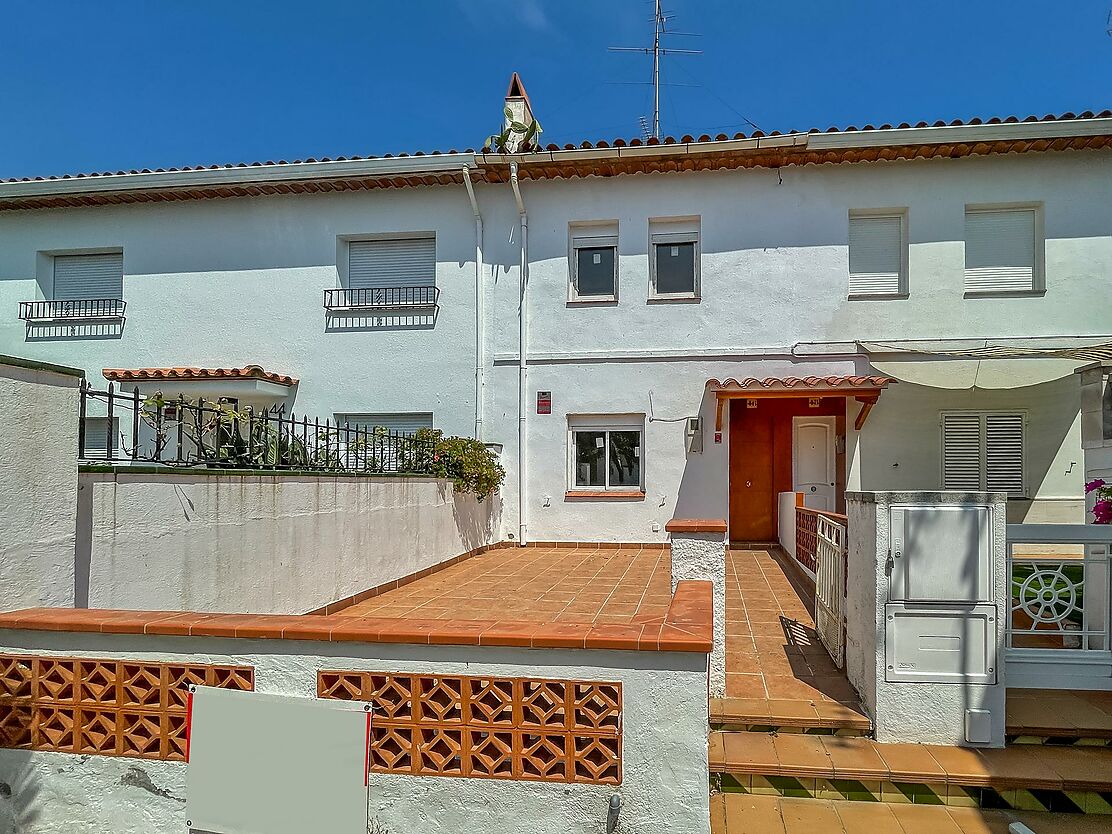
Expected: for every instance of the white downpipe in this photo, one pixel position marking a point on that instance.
(480, 310)
(522, 346)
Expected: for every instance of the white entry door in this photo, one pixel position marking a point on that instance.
(813, 461)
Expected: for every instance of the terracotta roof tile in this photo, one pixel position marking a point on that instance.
(619, 142)
(812, 383)
(246, 372)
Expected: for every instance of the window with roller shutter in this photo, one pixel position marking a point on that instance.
(877, 254)
(1003, 250)
(80, 277)
(983, 451)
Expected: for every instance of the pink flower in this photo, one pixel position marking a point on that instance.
(1102, 511)
(1094, 485)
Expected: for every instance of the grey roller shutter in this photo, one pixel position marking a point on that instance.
(961, 452)
(88, 276)
(407, 262)
(875, 255)
(96, 437)
(397, 422)
(1000, 250)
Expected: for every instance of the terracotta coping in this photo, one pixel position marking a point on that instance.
(696, 525)
(687, 627)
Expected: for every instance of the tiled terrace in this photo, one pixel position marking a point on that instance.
(772, 650)
(593, 584)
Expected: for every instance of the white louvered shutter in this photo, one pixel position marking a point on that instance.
(96, 436)
(1004, 454)
(875, 255)
(88, 276)
(1000, 250)
(397, 423)
(408, 262)
(961, 452)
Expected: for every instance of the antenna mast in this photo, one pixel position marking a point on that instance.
(660, 27)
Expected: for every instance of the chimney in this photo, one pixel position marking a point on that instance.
(518, 109)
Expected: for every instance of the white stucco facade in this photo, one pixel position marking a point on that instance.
(665, 770)
(267, 544)
(218, 283)
(38, 407)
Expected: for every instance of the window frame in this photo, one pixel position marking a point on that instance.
(904, 287)
(664, 238)
(593, 235)
(601, 423)
(1038, 266)
(982, 413)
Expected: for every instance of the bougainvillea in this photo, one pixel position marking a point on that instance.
(1102, 509)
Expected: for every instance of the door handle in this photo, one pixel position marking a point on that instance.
(748, 484)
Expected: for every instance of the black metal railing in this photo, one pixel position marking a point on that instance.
(77, 308)
(178, 432)
(381, 298)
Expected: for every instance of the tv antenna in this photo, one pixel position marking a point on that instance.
(660, 28)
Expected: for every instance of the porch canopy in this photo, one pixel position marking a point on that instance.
(249, 382)
(865, 389)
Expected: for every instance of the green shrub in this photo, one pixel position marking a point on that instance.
(471, 465)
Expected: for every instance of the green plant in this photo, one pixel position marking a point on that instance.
(527, 134)
(471, 465)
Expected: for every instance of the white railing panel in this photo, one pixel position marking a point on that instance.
(830, 581)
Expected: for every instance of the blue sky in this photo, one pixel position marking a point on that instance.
(105, 85)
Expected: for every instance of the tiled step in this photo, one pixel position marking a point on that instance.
(1059, 717)
(788, 716)
(741, 814)
(1062, 779)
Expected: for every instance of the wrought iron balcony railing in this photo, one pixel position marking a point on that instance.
(78, 308)
(381, 298)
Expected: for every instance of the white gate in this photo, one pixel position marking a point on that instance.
(1058, 619)
(830, 585)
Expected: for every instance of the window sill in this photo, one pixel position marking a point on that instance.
(600, 301)
(1005, 293)
(879, 296)
(675, 299)
(605, 494)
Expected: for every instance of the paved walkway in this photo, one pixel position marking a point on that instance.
(588, 584)
(772, 649)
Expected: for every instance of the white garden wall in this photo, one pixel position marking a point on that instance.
(38, 483)
(665, 771)
(266, 544)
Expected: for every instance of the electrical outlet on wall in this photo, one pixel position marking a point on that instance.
(656, 526)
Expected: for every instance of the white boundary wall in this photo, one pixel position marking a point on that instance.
(665, 770)
(263, 544)
(38, 484)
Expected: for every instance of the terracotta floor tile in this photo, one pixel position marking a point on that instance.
(756, 709)
(854, 758)
(866, 818)
(911, 762)
(924, 819)
(809, 817)
(798, 753)
(745, 686)
(748, 814)
(961, 765)
(748, 752)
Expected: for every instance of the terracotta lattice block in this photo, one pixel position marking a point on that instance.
(103, 707)
(499, 728)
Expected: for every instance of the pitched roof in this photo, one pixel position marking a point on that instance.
(193, 374)
(1011, 134)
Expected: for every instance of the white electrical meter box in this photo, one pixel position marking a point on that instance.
(271, 764)
(941, 553)
(940, 644)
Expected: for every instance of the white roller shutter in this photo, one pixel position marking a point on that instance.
(961, 452)
(398, 422)
(1000, 250)
(875, 255)
(407, 262)
(983, 451)
(1004, 453)
(88, 276)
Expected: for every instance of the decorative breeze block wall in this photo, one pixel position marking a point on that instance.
(496, 728)
(104, 707)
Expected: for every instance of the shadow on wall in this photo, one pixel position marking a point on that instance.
(704, 485)
(60, 331)
(475, 519)
(19, 792)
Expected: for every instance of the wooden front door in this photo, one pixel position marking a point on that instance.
(752, 495)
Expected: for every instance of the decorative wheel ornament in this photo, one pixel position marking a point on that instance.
(1048, 595)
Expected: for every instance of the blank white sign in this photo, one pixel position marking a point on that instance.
(270, 764)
